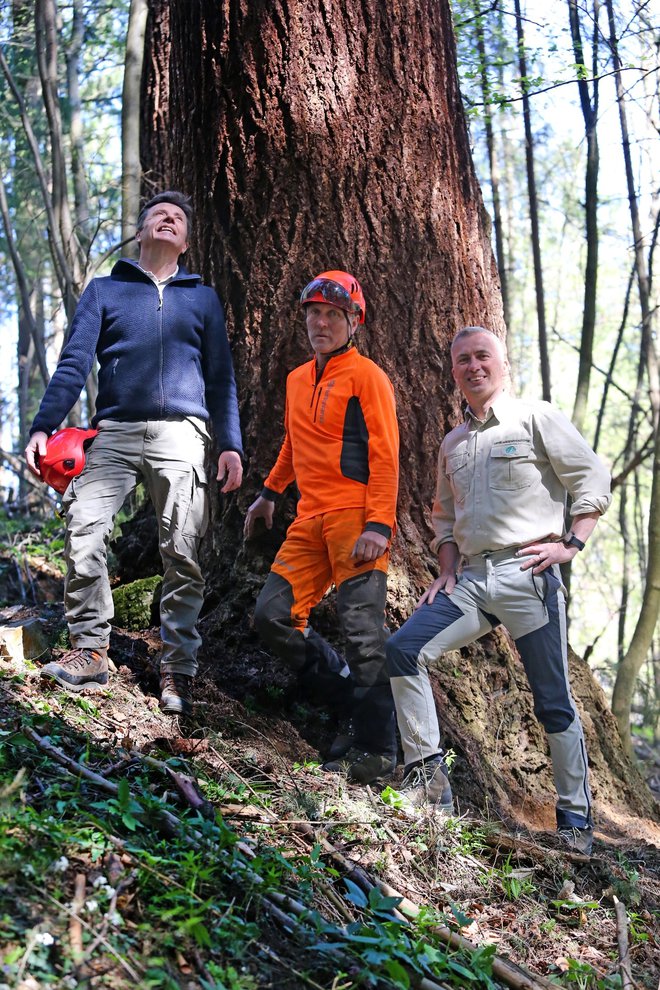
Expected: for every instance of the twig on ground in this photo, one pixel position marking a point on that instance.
(75, 926)
(511, 974)
(622, 941)
(533, 849)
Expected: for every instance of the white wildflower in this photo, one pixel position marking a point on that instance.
(44, 938)
(91, 906)
(60, 865)
(115, 918)
(27, 869)
(100, 882)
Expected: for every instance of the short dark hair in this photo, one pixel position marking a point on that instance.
(168, 196)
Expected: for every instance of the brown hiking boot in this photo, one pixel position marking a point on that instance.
(578, 840)
(79, 670)
(176, 693)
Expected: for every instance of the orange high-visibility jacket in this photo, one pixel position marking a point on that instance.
(342, 440)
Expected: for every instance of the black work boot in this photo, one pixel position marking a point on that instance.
(344, 739)
(176, 693)
(362, 767)
(79, 669)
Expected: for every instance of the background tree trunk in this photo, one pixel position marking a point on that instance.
(314, 137)
(131, 172)
(535, 230)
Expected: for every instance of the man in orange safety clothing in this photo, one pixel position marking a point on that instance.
(341, 447)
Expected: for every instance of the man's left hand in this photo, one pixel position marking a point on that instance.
(230, 470)
(370, 545)
(540, 556)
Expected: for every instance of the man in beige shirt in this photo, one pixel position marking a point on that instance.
(498, 516)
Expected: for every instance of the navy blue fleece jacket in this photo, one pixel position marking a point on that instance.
(154, 360)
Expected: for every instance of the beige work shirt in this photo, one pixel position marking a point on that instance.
(503, 482)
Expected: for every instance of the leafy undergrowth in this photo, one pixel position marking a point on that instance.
(139, 852)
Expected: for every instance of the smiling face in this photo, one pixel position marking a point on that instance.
(328, 327)
(164, 225)
(479, 368)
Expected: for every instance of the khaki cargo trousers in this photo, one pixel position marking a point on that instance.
(490, 590)
(168, 456)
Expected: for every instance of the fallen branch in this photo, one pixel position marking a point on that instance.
(75, 926)
(622, 941)
(499, 841)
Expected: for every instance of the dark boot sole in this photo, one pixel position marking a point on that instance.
(92, 686)
(175, 708)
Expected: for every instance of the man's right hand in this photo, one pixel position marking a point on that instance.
(446, 583)
(261, 508)
(36, 448)
(448, 559)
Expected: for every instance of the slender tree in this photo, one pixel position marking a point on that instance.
(533, 208)
(589, 107)
(646, 626)
(130, 121)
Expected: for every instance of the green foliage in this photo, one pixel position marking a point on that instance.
(515, 882)
(197, 889)
(582, 976)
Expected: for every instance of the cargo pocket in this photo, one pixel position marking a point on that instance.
(197, 518)
(457, 471)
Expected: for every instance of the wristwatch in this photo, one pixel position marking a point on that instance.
(571, 540)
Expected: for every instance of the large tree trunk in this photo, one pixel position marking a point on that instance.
(312, 137)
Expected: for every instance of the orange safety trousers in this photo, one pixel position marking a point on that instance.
(316, 553)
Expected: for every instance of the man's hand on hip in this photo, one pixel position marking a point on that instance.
(448, 559)
(230, 470)
(36, 446)
(369, 546)
(540, 556)
(446, 583)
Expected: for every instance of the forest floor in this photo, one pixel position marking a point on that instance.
(141, 850)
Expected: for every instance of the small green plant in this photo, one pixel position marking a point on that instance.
(515, 882)
(584, 977)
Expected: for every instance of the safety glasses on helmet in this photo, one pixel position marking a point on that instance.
(332, 293)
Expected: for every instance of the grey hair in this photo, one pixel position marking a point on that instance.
(172, 196)
(470, 331)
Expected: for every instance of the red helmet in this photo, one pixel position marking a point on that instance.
(65, 456)
(336, 289)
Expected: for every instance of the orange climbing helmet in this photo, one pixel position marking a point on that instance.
(336, 289)
(65, 456)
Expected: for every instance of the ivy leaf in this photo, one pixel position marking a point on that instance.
(355, 895)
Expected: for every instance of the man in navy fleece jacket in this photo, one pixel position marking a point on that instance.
(165, 370)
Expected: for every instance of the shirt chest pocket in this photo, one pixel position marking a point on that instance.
(511, 465)
(457, 469)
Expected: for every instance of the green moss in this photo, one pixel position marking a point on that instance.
(136, 604)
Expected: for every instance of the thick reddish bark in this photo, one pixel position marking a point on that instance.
(314, 137)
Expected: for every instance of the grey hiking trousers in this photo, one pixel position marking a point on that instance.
(168, 456)
(492, 590)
